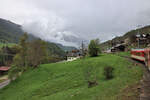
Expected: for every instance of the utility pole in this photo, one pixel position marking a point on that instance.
(138, 28)
(138, 39)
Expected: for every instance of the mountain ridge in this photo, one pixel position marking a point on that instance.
(127, 35)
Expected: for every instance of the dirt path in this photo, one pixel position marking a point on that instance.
(145, 86)
(5, 83)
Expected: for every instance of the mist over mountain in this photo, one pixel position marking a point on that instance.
(11, 33)
(53, 31)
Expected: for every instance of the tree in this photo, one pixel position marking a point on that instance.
(94, 48)
(36, 53)
(23, 49)
(19, 61)
(16, 67)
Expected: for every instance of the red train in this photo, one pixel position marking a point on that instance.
(142, 55)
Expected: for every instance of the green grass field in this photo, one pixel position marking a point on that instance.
(66, 81)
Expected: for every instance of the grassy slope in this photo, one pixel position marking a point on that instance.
(123, 54)
(65, 81)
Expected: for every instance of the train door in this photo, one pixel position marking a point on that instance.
(149, 60)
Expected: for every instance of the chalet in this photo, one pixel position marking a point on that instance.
(73, 55)
(143, 39)
(118, 48)
(4, 70)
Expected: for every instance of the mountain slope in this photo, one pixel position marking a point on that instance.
(66, 48)
(10, 31)
(55, 50)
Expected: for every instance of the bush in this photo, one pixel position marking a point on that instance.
(108, 72)
(90, 75)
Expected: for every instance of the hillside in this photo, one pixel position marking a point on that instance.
(67, 81)
(143, 30)
(66, 48)
(11, 32)
(54, 49)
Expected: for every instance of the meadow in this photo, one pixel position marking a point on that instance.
(68, 80)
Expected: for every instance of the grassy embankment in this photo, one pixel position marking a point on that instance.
(124, 54)
(66, 81)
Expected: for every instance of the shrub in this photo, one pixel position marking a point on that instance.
(108, 72)
(90, 74)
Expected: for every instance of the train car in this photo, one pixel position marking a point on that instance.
(138, 54)
(142, 55)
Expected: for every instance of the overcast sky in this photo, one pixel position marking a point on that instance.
(53, 19)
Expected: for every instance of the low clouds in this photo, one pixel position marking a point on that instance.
(50, 28)
(65, 21)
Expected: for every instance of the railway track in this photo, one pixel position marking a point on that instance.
(145, 85)
(145, 82)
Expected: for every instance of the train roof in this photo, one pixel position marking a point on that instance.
(137, 49)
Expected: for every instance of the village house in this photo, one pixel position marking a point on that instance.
(143, 39)
(118, 48)
(73, 55)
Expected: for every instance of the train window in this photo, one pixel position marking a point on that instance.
(138, 53)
